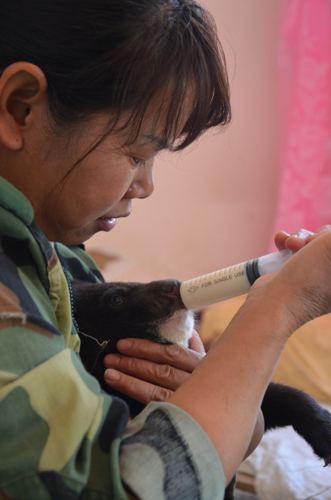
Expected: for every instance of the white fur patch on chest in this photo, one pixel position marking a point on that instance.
(178, 329)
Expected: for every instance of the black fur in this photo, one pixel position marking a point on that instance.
(108, 312)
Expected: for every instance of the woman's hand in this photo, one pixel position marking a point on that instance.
(148, 371)
(302, 285)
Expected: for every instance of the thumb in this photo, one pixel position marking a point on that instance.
(196, 343)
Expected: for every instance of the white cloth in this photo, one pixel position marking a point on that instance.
(285, 468)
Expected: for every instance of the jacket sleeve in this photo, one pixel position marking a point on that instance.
(166, 455)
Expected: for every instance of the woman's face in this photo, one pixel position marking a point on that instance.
(71, 205)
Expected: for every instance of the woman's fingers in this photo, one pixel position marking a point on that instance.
(299, 238)
(149, 371)
(280, 239)
(294, 241)
(160, 374)
(196, 343)
(173, 354)
(139, 390)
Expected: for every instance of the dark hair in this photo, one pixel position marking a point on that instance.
(102, 55)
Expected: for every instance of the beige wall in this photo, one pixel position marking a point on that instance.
(213, 205)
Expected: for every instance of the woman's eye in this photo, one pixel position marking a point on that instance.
(139, 163)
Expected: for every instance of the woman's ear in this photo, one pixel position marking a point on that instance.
(23, 98)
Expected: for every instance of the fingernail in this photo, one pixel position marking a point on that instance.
(112, 375)
(124, 344)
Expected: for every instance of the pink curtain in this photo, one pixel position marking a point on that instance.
(305, 106)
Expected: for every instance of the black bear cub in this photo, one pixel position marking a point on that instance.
(108, 312)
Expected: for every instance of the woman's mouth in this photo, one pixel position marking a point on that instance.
(106, 224)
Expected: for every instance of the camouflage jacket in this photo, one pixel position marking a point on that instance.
(61, 437)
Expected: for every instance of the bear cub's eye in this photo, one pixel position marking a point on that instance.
(116, 300)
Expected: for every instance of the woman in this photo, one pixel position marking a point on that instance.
(90, 91)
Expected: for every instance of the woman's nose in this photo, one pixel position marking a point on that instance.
(143, 184)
